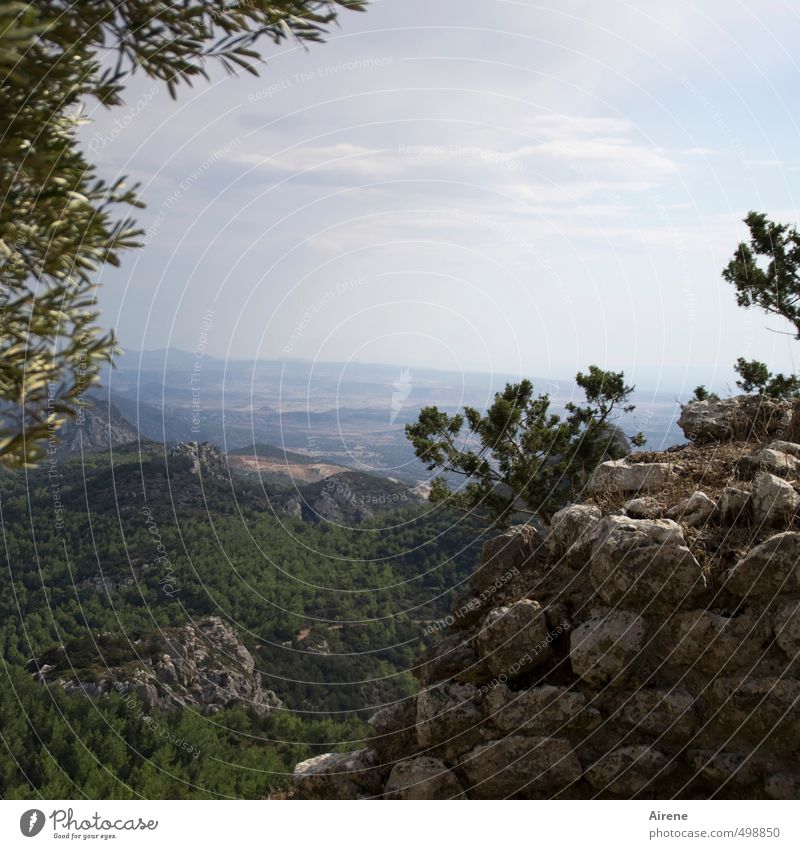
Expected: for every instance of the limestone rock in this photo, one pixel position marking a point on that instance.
(516, 549)
(636, 562)
(393, 730)
(771, 460)
(774, 501)
(695, 511)
(452, 657)
(527, 767)
(787, 628)
(710, 642)
(667, 713)
(642, 508)
(746, 417)
(514, 638)
(602, 648)
(735, 768)
(544, 709)
(449, 717)
(338, 775)
(422, 778)
(767, 569)
(628, 770)
(570, 526)
(733, 504)
(782, 785)
(624, 476)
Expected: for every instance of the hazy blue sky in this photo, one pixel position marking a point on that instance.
(488, 185)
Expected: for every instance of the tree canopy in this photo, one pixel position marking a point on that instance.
(59, 218)
(766, 270)
(519, 456)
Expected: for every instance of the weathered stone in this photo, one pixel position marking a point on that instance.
(449, 717)
(602, 648)
(525, 767)
(452, 657)
(695, 511)
(660, 712)
(540, 710)
(733, 504)
(570, 527)
(422, 778)
(767, 569)
(518, 548)
(792, 448)
(762, 704)
(782, 785)
(393, 730)
(773, 501)
(628, 770)
(746, 417)
(338, 775)
(639, 562)
(787, 628)
(514, 638)
(710, 642)
(643, 508)
(734, 768)
(770, 460)
(615, 476)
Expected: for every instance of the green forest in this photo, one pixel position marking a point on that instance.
(104, 550)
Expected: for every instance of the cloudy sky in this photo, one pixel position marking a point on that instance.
(496, 185)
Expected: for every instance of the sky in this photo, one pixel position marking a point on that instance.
(495, 186)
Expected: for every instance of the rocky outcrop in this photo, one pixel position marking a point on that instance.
(202, 664)
(643, 647)
(743, 418)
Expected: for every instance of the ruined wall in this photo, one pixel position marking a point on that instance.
(646, 647)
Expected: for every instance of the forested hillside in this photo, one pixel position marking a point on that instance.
(103, 554)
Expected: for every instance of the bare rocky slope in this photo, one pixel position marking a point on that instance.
(203, 665)
(646, 647)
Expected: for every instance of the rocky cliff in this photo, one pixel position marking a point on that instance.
(202, 664)
(646, 646)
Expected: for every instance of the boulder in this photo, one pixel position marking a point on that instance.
(772, 460)
(338, 775)
(642, 508)
(773, 501)
(759, 708)
(570, 527)
(660, 712)
(451, 657)
(545, 709)
(745, 418)
(628, 770)
(516, 549)
(782, 785)
(710, 642)
(602, 649)
(734, 768)
(449, 718)
(525, 767)
(515, 638)
(733, 505)
(643, 562)
(695, 511)
(618, 476)
(767, 569)
(787, 628)
(422, 778)
(393, 730)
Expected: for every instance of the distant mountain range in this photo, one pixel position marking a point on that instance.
(350, 414)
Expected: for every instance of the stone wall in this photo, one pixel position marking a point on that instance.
(646, 647)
